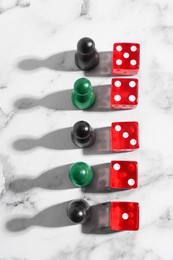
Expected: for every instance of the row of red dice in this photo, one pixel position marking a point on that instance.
(125, 62)
(124, 135)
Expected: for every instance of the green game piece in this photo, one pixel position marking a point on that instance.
(83, 95)
(80, 174)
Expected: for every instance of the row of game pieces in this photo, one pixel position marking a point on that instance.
(123, 94)
(125, 57)
(109, 216)
(124, 136)
(121, 175)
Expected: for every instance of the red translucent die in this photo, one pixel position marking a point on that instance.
(124, 93)
(125, 59)
(124, 216)
(123, 174)
(124, 136)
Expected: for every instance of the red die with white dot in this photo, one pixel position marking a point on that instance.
(125, 59)
(123, 174)
(124, 93)
(124, 136)
(124, 216)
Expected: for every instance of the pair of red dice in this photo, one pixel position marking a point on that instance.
(125, 62)
(124, 215)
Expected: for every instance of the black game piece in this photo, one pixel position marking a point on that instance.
(83, 135)
(86, 56)
(78, 211)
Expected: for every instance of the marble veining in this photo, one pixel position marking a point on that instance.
(37, 72)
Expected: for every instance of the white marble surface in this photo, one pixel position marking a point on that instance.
(35, 69)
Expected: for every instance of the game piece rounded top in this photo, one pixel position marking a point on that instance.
(82, 130)
(78, 211)
(85, 45)
(82, 86)
(80, 174)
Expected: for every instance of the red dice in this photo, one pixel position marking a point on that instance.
(124, 93)
(123, 174)
(124, 136)
(125, 59)
(124, 216)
